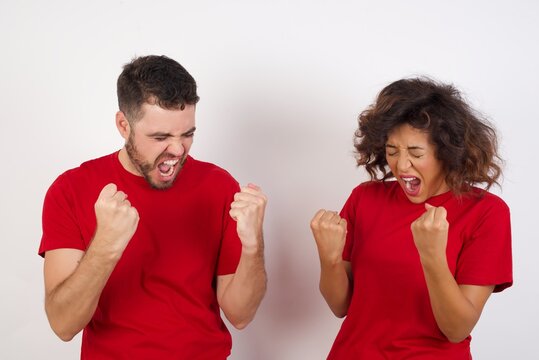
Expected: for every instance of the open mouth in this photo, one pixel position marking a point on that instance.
(167, 167)
(412, 185)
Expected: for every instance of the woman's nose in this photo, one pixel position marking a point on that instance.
(403, 162)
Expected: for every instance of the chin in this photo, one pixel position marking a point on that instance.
(159, 184)
(416, 199)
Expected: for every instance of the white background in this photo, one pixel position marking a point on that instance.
(281, 85)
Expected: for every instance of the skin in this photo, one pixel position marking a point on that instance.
(456, 308)
(161, 134)
(409, 152)
(240, 294)
(75, 279)
(329, 231)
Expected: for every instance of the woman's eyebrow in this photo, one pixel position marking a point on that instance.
(412, 147)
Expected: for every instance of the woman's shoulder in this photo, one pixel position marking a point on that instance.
(486, 199)
(373, 188)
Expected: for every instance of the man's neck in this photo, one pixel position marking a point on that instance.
(127, 163)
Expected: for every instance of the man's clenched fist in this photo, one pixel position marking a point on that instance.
(248, 210)
(116, 219)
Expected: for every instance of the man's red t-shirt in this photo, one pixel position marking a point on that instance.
(160, 300)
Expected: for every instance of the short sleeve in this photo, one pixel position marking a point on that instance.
(230, 250)
(485, 258)
(348, 212)
(59, 224)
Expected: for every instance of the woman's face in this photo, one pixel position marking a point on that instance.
(412, 159)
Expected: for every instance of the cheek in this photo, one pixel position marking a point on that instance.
(431, 170)
(187, 144)
(391, 162)
(150, 150)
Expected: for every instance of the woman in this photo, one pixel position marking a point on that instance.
(415, 253)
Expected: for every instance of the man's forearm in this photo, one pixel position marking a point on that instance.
(244, 293)
(72, 303)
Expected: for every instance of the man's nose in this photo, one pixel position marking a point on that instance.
(176, 148)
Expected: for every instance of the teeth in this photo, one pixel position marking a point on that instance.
(170, 162)
(408, 185)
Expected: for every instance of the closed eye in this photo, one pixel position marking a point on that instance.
(391, 150)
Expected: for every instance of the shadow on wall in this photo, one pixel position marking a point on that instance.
(284, 152)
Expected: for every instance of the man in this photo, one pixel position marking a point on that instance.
(145, 246)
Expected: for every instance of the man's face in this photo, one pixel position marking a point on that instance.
(158, 143)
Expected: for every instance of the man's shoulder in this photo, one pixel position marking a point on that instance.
(99, 163)
(92, 165)
(86, 173)
(207, 170)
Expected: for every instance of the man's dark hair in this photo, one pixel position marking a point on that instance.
(156, 80)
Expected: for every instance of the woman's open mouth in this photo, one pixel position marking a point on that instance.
(412, 185)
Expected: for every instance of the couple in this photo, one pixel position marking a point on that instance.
(144, 247)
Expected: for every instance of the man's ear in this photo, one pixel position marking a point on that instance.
(123, 125)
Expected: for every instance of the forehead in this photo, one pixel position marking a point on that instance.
(156, 119)
(407, 135)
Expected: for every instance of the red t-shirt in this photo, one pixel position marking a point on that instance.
(160, 300)
(390, 316)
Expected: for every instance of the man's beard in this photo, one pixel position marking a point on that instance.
(145, 168)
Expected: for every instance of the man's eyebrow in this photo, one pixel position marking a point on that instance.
(164, 134)
(190, 131)
(159, 134)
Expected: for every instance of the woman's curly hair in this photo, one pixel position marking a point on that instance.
(465, 142)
